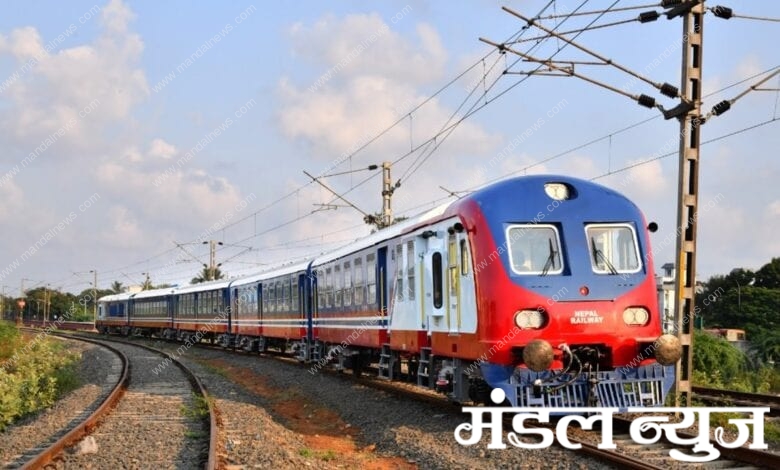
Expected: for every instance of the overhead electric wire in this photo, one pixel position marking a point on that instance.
(597, 12)
(725, 105)
(714, 139)
(370, 141)
(758, 18)
(433, 139)
(472, 110)
(581, 30)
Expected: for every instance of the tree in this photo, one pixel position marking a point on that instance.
(766, 346)
(716, 360)
(117, 287)
(207, 275)
(769, 275)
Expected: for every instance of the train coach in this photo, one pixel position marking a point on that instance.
(541, 286)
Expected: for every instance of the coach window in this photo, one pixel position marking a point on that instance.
(320, 288)
(613, 248)
(359, 279)
(436, 270)
(371, 278)
(328, 287)
(337, 282)
(464, 258)
(280, 296)
(399, 269)
(294, 281)
(347, 284)
(533, 249)
(452, 264)
(410, 261)
(219, 301)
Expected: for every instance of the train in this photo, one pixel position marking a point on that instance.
(542, 286)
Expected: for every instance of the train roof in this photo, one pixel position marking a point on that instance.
(382, 235)
(204, 286)
(272, 272)
(145, 294)
(116, 297)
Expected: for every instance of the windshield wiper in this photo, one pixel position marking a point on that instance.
(550, 259)
(599, 254)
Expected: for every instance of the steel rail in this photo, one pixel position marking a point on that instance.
(85, 427)
(211, 463)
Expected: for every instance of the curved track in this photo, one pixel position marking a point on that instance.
(144, 405)
(87, 425)
(627, 455)
(732, 398)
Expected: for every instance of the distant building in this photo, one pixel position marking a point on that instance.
(732, 335)
(667, 303)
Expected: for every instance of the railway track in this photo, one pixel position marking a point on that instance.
(627, 455)
(85, 421)
(149, 420)
(731, 398)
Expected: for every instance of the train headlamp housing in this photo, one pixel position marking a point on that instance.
(557, 191)
(530, 319)
(636, 316)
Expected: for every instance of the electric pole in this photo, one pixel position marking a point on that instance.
(212, 268)
(688, 194)
(94, 296)
(387, 194)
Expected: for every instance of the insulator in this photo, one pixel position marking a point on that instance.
(646, 101)
(683, 8)
(722, 12)
(648, 16)
(669, 90)
(721, 108)
(670, 3)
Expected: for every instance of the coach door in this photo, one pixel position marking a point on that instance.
(434, 263)
(453, 283)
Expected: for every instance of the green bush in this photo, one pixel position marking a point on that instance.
(33, 376)
(9, 340)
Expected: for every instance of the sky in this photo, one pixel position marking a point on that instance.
(133, 133)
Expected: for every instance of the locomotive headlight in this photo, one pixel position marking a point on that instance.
(530, 319)
(557, 191)
(636, 316)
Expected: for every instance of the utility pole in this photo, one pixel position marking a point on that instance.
(387, 194)
(688, 194)
(94, 296)
(45, 303)
(21, 303)
(212, 267)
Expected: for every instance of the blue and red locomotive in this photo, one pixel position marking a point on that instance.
(542, 286)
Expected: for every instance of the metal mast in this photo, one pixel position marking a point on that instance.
(387, 194)
(688, 194)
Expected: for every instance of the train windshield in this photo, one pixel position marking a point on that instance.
(534, 249)
(613, 248)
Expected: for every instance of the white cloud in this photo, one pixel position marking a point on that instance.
(363, 42)
(161, 149)
(24, 43)
(774, 208)
(116, 16)
(104, 76)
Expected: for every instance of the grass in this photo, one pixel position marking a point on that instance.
(199, 408)
(326, 456)
(195, 434)
(221, 371)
